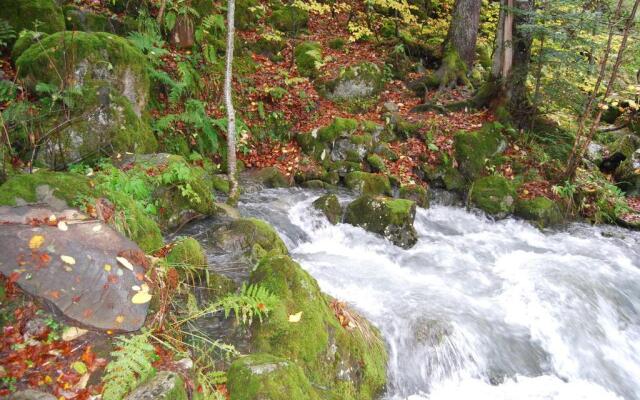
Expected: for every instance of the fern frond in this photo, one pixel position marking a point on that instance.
(130, 367)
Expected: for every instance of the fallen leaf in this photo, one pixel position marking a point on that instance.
(119, 319)
(68, 260)
(107, 267)
(63, 226)
(136, 288)
(36, 241)
(79, 367)
(97, 228)
(141, 298)
(125, 263)
(72, 333)
(295, 317)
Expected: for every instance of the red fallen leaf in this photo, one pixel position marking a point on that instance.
(136, 257)
(14, 276)
(75, 299)
(112, 278)
(54, 294)
(88, 357)
(45, 258)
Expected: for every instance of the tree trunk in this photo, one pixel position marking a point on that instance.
(459, 49)
(231, 114)
(507, 85)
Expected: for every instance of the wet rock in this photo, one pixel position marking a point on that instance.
(416, 193)
(31, 395)
(263, 376)
(391, 218)
(542, 211)
(250, 236)
(74, 270)
(330, 207)
(272, 177)
(431, 332)
(494, 195)
(164, 386)
(368, 184)
(473, 149)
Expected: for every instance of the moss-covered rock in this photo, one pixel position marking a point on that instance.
(308, 55)
(391, 218)
(628, 174)
(358, 81)
(341, 363)
(453, 180)
(77, 19)
(263, 376)
(251, 236)
(188, 258)
(165, 385)
(25, 40)
(626, 145)
(41, 15)
(494, 194)
(269, 46)
(368, 184)
(376, 163)
(272, 177)
(473, 149)
(541, 211)
(334, 142)
(330, 207)
(416, 193)
(289, 19)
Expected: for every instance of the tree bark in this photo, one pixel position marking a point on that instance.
(231, 114)
(463, 31)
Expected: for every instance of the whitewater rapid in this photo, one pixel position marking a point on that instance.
(480, 309)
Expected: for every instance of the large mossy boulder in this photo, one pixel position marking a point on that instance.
(41, 15)
(391, 218)
(341, 363)
(330, 207)
(360, 81)
(263, 376)
(541, 211)
(368, 184)
(108, 79)
(473, 149)
(251, 236)
(494, 194)
(272, 177)
(308, 55)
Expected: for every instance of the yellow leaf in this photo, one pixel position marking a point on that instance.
(107, 267)
(119, 319)
(63, 226)
(295, 317)
(125, 263)
(36, 241)
(141, 298)
(68, 260)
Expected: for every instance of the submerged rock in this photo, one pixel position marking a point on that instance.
(430, 331)
(263, 376)
(330, 207)
(74, 269)
(165, 385)
(494, 195)
(391, 218)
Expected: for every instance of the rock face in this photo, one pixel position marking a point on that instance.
(76, 269)
(164, 386)
(494, 195)
(474, 148)
(356, 82)
(23, 14)
(263, 376)
(330, 207)
(391, 218)
(542, 211)
(110, 77)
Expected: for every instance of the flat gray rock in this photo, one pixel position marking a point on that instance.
(74, 270)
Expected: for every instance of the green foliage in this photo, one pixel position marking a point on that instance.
(7, 34)
(131, 366)
(252, 301)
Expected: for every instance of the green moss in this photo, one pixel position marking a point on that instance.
(135, 222)
(330, 207)
(391, 218)
(453, 180)
(472, 150)
(308, 55)
(626, 145)
(494, 194)
(25, 40)
(337, 43)
(339, 127)
(263, 376)
(108, 53)
(188, 257)
(220, 183)
(343, 363)
(65, 186)
(252, 235)
(416, 193)
(376, 162)
(453, 69)
(41, 15)
(289, 19)
(270, 47)
(541, 211)
(369, 184)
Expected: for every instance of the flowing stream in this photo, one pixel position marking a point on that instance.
(480, 309)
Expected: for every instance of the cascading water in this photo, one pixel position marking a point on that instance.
(481, 309)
